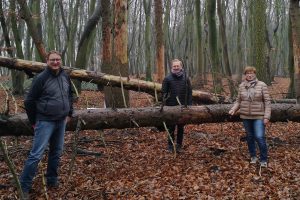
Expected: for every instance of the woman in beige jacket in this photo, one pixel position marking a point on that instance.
(254, 105)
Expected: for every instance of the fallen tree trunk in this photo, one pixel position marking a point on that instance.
(104, 79)
(96, 119)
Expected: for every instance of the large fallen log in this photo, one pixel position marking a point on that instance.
(104, 79)
(96, 119)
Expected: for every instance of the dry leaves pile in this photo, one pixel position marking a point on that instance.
(135, 164)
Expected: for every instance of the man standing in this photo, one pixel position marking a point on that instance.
(48, 107)
(176, 90)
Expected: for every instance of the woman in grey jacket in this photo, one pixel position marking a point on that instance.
(254, 105)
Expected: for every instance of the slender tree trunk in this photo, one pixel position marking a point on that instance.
(106, 66)
(17, 83)
(160, 49)
(72, 30)
(36, 12)
(295, 22)
(50, 25)
(147, 9)
(291, 92)
(167, 33)
(240, 50)
(198, 22)
(139, 59)
(38, 41)
(213, 43)
(17, 76)
(5, 31)
(222, 30)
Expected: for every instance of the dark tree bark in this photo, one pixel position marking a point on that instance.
(96, 119)
(295, 23)
(106, 66)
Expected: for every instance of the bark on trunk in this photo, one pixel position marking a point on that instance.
(104, 79)
(96, 119)
(294, 16)
(160, 49)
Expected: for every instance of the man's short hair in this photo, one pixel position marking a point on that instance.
(53, 52)
(249, 69)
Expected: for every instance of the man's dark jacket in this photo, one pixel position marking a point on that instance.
(174, 86)
(50, 97)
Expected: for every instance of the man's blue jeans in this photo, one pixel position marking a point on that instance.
(46, 132)
(255, 129)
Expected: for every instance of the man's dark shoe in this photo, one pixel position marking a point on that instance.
(170, 148)
(25, 196)
(178, 148)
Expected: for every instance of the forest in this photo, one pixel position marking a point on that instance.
(117, 54)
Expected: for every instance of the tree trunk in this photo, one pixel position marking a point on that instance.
(120, 48)
(95, 119)
(260, 39)
(50, 25)
(198, 23)
(160, 49)
(17, 76)
(72, 31)
(295, 22)
(103, 79)
(36, 12)
(222, 30)
(213, 46)
(291, 92)
(106, 66)
(239, 63)
(87, 36)
(147, 9)
(5, 32)
(167, 33)
(38, 41)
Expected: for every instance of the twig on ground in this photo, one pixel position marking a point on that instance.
(169, 136)
(11, 167)
(101, 134)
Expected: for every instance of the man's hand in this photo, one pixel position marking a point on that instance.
(68, 119)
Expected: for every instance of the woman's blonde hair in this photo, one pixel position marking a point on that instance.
(249, 69)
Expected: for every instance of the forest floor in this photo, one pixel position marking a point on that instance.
(135, 164)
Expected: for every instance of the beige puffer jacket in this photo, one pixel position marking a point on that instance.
(259, 108)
